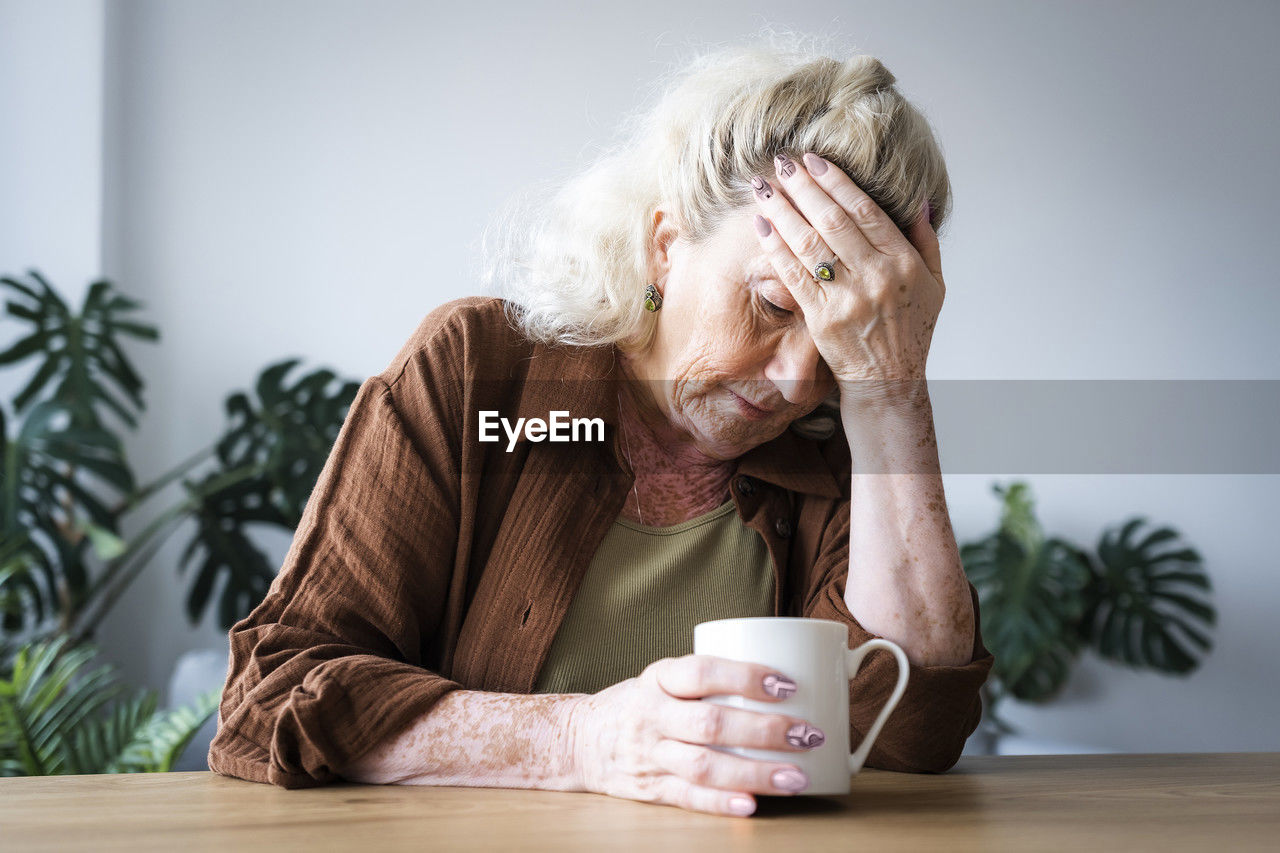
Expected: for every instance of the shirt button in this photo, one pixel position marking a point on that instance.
(783, 527)
(745, 485)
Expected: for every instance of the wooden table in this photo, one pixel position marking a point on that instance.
(1222, 802)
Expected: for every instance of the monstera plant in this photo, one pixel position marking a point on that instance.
(1140, 599)
(67, 489)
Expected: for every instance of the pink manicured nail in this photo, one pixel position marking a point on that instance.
(928, 211)
(741, 805)
(779, 685)
(788, 779)
(762, 226)
(805, 736)
(815, 164)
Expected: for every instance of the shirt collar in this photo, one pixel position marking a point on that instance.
(584, 382)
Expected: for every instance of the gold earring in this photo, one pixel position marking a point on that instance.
(652, 299)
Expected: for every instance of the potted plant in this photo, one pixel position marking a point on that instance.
(1141, 599)
(66, 490)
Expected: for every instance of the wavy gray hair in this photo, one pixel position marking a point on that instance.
(571, 258)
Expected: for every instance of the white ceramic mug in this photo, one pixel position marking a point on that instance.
(815, 654)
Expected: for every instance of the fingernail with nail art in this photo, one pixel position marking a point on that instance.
(786, 166)
(805, 736)
(762, 187)
(815, 164)
(779, 685)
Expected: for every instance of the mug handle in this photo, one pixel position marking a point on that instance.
(853, 661)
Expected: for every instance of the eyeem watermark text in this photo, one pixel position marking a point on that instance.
(559, 427)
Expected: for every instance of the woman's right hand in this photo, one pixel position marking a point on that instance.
(649, 738)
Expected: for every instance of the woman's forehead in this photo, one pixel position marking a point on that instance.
(736, 247)
(757, 267)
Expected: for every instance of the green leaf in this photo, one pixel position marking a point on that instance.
(106, 544)
(22, 311)
(32, 343)
(56, 718)
(81, 350)
(120, 302)
(1142, 595)
(20, 287)
(271, 457)
(1031, 599)
(1192, 578)
(164, 737)
(99, 745)
(36, 384)
(122, 371)
(137, 330)
(39, 701)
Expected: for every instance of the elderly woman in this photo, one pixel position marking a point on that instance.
(741, 299)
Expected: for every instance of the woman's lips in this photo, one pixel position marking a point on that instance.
(749, 410)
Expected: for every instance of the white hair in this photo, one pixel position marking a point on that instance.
(570, 258)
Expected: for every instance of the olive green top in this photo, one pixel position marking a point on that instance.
(644, 591)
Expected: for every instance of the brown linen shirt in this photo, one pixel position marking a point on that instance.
(428, 561)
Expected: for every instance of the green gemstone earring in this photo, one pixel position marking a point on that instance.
(652, 299)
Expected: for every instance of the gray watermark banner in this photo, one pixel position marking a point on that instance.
(983, 426)
(1108, 426)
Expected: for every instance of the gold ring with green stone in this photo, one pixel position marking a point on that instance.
(825, 271)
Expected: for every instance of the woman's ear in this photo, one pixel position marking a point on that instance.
(665, 232)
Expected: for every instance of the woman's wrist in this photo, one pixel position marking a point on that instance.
(474, 738)
(891, 436)
(874, 399)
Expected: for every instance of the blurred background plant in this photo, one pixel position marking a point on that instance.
(58, 718)
(66, 491)
(1140, 599)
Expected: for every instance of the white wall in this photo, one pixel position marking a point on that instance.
(304, 178)
(50, 149)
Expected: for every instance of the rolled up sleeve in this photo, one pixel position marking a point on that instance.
(330, 663)
(941, 705)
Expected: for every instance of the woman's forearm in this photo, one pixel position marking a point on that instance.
(906, 582)
(476, 738)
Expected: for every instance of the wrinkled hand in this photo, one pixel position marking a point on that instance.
(872, 323)
(649, 738)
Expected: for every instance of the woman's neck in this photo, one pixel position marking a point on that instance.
(674, 480)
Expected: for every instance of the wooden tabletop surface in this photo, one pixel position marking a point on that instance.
(1189, 801)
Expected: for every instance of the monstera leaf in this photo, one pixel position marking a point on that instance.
(1030, 592)
(46, 503)
(48, 514)
(20, 592)
(290, 432)
(1143, 601)
(227, 549)
(79, 349)
(1147, 605)
(272, 456)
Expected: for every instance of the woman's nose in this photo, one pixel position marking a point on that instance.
(795, 369)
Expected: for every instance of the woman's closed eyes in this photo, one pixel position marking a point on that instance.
(776, 310)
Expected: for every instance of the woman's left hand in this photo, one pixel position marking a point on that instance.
(872, 323)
